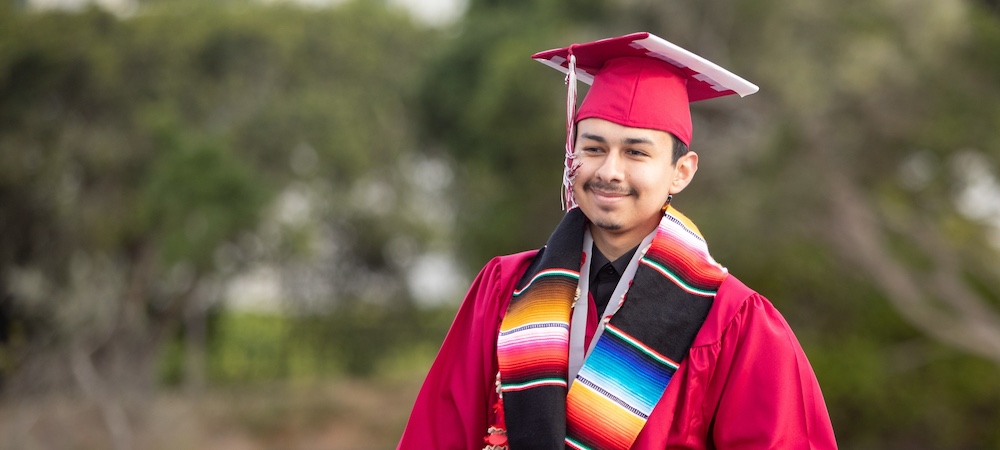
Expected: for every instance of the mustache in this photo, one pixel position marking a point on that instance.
(610, 188)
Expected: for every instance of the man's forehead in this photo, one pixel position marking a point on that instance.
(603, 130)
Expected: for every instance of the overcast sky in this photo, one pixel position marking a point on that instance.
(435, 12)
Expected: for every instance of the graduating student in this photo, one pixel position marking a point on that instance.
(622, 332)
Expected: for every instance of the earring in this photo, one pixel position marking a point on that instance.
(667, 204)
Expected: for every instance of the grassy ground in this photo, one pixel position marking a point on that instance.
(275, 382)
(346, 414)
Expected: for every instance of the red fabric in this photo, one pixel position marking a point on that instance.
(640, 92)
(592, 320)
(745, 384)
(451, 409)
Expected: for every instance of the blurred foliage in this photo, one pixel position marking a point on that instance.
(146, 160)
(246, 347)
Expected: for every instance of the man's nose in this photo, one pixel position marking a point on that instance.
(611, 168)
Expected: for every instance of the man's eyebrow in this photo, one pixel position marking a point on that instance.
(626, 141)
(635, 141)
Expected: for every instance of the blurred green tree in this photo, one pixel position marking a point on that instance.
(144, 160)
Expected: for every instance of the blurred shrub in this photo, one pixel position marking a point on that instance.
(361, 341)
(144, 159)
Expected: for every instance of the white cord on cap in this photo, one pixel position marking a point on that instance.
(571, 165)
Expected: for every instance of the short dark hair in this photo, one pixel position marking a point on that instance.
(680, 148)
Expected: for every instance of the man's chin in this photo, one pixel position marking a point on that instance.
(607, 225)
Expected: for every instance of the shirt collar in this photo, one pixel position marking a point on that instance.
(619, 264)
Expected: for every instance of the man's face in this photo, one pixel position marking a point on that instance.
(625, 175)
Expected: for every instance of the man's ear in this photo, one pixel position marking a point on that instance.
(684, 172)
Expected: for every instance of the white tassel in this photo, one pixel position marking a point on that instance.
(571, 165)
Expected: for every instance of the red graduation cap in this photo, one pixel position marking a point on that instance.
(638, 80)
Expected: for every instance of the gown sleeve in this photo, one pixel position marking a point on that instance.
(765, 391)
(451, 408)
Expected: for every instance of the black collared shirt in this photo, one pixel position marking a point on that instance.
(604, 276)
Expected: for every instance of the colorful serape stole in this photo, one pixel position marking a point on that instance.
(641, 347)
(533, 344)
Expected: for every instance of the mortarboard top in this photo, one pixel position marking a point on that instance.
(705, 79)
(638, 80)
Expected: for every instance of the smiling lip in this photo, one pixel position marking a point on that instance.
(607, 193)
(608, 196)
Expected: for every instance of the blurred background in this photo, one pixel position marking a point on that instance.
(248, 224)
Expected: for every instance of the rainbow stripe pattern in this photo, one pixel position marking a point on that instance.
(680, 253)
(615, 391)
(532, 347)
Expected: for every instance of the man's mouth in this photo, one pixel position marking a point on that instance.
(608, 190)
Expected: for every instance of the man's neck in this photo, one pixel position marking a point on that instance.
(613, 245)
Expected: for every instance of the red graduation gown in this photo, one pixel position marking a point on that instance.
(745, 383)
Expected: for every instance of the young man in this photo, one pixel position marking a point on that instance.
(622, 332)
